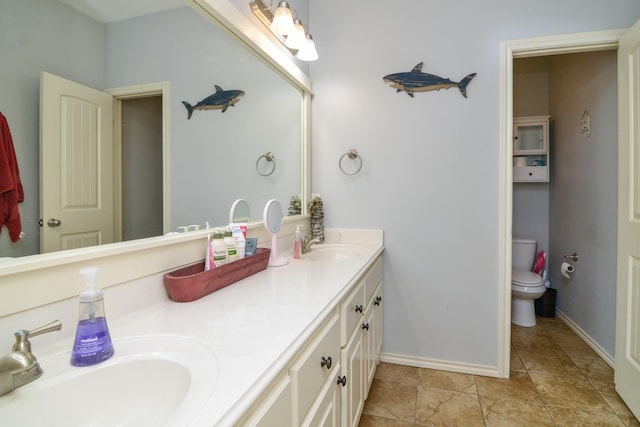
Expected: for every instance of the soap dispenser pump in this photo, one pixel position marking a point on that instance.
(92, 343)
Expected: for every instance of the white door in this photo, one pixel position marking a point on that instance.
(76, 165)
(627, 371)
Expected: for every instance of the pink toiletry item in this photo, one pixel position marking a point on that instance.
(541, 261)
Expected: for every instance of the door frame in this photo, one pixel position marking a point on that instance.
(140, 91)
(523, 48)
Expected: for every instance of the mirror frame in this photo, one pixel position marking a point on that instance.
(36, 280)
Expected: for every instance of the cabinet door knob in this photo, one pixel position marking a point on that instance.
(358, 309)
(365, 326)
(342, 380)
(326, 362)
(377, 300)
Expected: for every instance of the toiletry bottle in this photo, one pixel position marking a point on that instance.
(239, 232)
(297, 244)
(208, 260)
(92, 343)
(230, 243)
(219, 248)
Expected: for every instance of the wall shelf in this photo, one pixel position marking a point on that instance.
(531, 149)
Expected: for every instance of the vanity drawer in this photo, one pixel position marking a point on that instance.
(351, 312)
(316, 364)
(374, 276)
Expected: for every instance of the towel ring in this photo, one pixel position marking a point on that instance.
(352, 154)
(269, 157)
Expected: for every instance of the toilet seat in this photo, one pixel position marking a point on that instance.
(526, 279)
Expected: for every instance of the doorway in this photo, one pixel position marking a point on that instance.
(575, 211)
(141, 167)
(510, 50)
(143, 205)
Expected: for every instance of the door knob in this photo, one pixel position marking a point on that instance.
(53, 222)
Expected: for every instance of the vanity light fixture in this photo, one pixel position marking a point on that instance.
(307, 51)
(282, 23)
(294, 35)
(297, 37)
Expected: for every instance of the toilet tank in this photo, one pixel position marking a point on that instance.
(523, 253)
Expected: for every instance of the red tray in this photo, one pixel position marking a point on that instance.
(192, 282)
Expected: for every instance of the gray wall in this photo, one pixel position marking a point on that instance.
(430, 175)
(583, 192)
(531, 200)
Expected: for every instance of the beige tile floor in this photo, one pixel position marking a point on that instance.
(556, 380)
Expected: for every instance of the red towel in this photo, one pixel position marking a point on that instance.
(11, 192)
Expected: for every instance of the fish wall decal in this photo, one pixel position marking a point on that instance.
(417, 81)
(221, 99)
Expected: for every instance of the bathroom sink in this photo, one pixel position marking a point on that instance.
(332, 252)
(149, 381)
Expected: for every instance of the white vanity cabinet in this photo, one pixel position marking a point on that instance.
(274, 408)
(531, 149)
(313, 374)
(361, 337)
(327, 381)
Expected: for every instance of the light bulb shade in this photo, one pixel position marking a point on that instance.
(282, 23)
(308, 50)
(297, 37)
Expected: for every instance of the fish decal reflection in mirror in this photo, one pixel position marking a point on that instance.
(417, 81)
(221, 100)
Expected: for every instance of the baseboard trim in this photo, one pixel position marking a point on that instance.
(587, 339)
(441, 365)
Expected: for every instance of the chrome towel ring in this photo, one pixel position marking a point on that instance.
(352, 154)
(270, 158)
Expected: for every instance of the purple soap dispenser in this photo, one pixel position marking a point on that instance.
(92, 343)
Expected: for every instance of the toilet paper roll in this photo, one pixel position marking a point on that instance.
(566, 270)
(519, 161)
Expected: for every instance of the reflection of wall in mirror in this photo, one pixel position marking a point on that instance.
(218, 149)
(201, 186)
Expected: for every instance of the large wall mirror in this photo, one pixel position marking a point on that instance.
(207, 161)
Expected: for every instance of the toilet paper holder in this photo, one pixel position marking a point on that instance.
(573, 257)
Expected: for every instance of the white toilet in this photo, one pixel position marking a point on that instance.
(526, 285)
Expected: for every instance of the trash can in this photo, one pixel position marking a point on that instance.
(546, 304)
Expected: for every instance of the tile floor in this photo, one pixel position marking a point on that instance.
(556, 380)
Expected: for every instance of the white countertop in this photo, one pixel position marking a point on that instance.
(253, 326)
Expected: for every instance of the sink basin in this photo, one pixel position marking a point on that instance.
(332, 252)
(149, 381)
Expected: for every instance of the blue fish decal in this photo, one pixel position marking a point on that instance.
(417, 81)
(222, 99)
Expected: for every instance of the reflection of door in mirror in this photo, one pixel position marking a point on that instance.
(78, 193)
(76, 166)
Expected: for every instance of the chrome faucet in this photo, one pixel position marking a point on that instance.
(307, 242)
(20, 367)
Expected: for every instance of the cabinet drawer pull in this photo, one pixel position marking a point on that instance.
(325, 362)
(365, 326)
(358, 309)
(377, 300)
(342, 380)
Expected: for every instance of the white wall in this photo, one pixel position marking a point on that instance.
(430, 175)
(583, 192)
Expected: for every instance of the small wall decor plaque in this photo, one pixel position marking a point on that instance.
(220, 100)
(417, 81)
